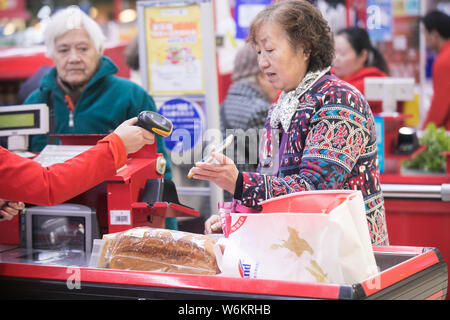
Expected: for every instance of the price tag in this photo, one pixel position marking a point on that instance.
(120, 217)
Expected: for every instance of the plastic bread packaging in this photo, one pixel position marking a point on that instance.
(157, 250)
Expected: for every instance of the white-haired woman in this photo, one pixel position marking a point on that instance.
(84, 95)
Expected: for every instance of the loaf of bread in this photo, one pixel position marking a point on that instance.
(159, 250)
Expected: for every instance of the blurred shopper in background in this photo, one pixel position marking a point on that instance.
(437, 38)
(245, 107)
(356, 59)
(82, 92)
(131, 55)
(31, 84)
(325, 126)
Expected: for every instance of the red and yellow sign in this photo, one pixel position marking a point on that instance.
(174, 50)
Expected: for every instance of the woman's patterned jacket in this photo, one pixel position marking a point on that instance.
(330, 144)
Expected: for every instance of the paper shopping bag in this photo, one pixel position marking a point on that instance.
(314, 236)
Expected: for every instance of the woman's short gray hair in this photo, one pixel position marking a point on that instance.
(68, 19)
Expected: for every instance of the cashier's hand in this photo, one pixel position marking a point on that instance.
(213, 225)
(8, 209)
(223, 173)
(134, 137)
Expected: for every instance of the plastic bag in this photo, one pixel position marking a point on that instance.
(226, 208)
(327, 242)
(159, 250)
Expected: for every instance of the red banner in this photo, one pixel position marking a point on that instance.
(13, 9)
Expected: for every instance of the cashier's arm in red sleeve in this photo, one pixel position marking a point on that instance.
(28, 181)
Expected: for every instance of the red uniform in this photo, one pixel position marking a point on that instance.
(357, 80)
(439, 111)
(28, 181)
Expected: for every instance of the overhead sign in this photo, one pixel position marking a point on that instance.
(379, 20)
(177, 55)
(245, 12)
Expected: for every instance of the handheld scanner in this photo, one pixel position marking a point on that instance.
(154, 122)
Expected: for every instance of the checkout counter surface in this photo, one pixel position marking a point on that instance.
(405, 273)
(418, 210)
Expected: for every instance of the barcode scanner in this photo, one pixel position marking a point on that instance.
(154, 122)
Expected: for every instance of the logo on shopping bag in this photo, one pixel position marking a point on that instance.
(240, 221)
(244, 269)
(248, 270)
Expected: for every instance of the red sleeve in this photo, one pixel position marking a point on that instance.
(26, 180)
(117, 149)
(358, 84)
(440, 103)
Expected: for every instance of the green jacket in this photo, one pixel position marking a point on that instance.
(105, 103)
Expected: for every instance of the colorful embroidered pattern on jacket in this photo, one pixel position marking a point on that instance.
(330, 144)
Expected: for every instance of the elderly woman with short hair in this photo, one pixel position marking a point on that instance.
(325, 126)
(82, 91)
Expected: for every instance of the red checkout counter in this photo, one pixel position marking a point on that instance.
(405, 273)
(120, 193)
(124, 193)
(417, 204)
(414, 266)
(418, 211)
